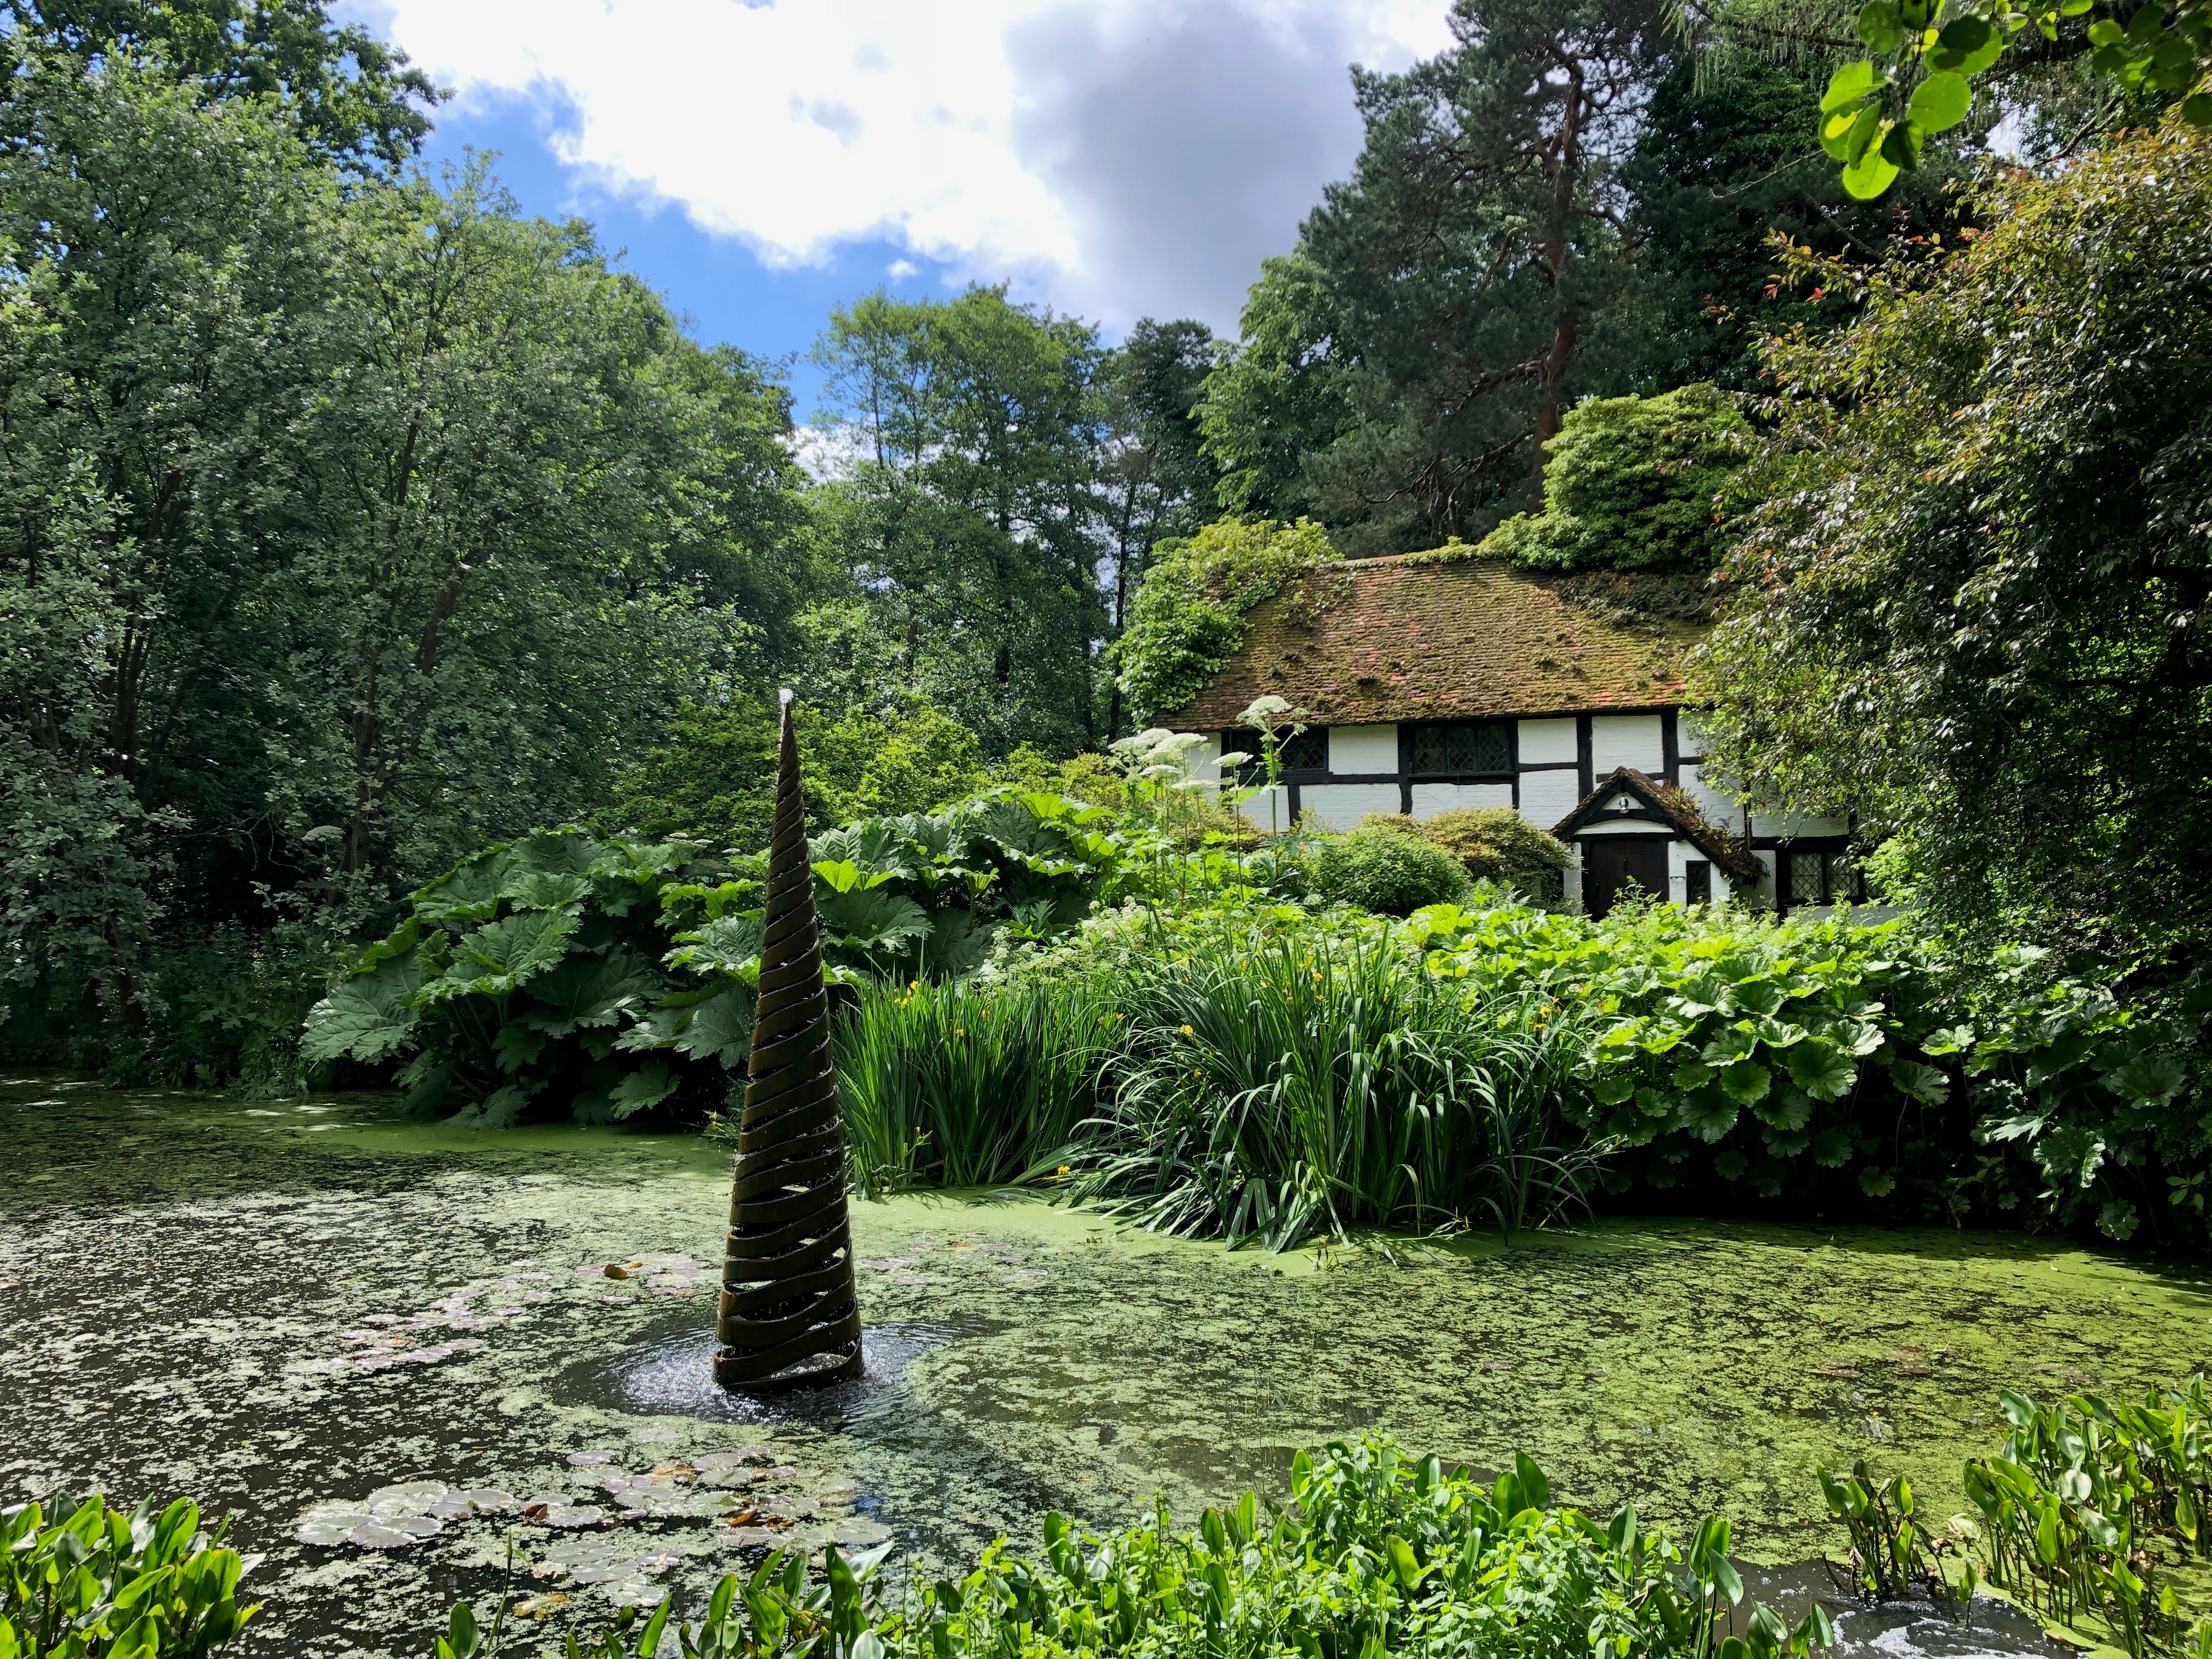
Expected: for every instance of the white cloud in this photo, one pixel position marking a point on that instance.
(899, 270)
(1115, 156)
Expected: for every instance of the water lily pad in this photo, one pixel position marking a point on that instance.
(858, 1529)
(573, 1515)
(412, 1498)
(590, 1457)
(327, 1524)
(394, 1532)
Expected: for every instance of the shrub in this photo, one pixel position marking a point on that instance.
(1384, 872)
(102, 1584)
(1630, 485)
(611, 977)
(538, 972)
(1492, 843)
(1191, 607)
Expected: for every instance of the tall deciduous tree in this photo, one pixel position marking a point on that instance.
(1979, 580)
(970, 433)
(1156, 481)
(344, 523)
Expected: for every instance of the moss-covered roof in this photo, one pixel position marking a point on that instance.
(1413, 638)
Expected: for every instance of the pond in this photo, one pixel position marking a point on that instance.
(288, 1307)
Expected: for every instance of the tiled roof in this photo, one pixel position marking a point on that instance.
(1376, 640)
(1672, 808)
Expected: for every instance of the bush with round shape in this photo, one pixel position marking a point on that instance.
(1385, 871)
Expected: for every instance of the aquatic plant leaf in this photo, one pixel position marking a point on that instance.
(1924, 1084)
(1708, 1114)
(873, 920)
(1791, 1110)
(728, 945)
(368, 1017)
(1876, 1184)
(720, 1027)
(540, 890)
(1832, 1148)
(2147, 1079)
(514, 1046)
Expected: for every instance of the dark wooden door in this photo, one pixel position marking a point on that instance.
(1612, 863)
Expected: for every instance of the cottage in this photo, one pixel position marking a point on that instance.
(1427, 685)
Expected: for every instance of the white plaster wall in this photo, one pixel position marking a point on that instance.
(1623, 827)
(1571, 885)
(1206, 764)
(1547, 797)
(1431, 798)
(1765, 888)
(1545, 741)
(1796, 823)
(1626, 741)
(1256, 809)
(1679, 854)
(1362, 749)
(1711, 801)
(1688, 740)
(1341, 805)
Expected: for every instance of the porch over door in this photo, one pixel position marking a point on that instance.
(1611, 864)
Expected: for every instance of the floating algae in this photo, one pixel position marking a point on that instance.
(205, 1296)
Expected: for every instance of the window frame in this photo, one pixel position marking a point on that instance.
(1411, 732)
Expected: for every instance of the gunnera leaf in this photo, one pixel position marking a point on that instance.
(720, 1027)
(505, 955)
(368, 1017)
(648, 1086)
(590, 992)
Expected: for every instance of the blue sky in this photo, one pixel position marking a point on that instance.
(716, 283)
(762, 163)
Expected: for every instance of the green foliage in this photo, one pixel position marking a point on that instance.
(351, 97)
(1190, 613)
(2082, 1516)
(614, 975)
(1378, 1554)
(539, 974)
(1278, 1075)
(1894, 1553)
(913, 760)
(972, 428)
(346, 523)
(1879, 112)
(1491, 843)
(1942, 621)
(1384, 871)
(101, 1584)
(968, 1082)
(1632, 484)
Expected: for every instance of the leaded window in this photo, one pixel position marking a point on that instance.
(1308, 752)
(1458, 750)
(1808, 878)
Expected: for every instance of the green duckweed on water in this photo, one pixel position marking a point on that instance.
(402, 1342)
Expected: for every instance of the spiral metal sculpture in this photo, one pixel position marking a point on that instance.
(788, 1314)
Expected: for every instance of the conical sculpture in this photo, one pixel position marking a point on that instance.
(788, 1312)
